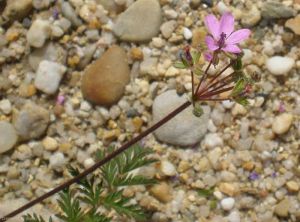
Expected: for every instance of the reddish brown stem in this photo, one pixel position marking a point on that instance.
(216, 76)
(213, 93)
(193, 92)
(220, 81)
(99, 163)
(203, 77)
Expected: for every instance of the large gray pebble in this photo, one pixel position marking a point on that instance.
(48, 76)
(184, 129)
(31, 121)
(8, 136)
(140, 22)
(276, 10)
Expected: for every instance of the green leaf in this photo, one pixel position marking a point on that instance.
(206, 192)
(242, 100)
(122, 205)
(179, 65)
(198, 71)
(239, 87)
(196, 56)
(94, 216)
(70, 207)
(116, 172)
(34, 218)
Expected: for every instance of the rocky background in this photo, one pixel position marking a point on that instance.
(79, 75)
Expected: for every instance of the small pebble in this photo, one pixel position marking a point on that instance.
(5, 106)
(38, 33)
(48, 77)
(168, 168)
(187, 33)
(227, 203)
(8, 136)
(279, 65)
(292, 186)
(282, 123)
(50, 144)
(57, 161)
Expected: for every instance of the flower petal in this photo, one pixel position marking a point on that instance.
(238, 36)
(211, 43)
(227, 23)
(232, 49)
(213, 26)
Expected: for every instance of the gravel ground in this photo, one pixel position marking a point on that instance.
(79, 75)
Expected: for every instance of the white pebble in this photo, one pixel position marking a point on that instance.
(57, 161)
(85, 106)
(187, 33)
(38, 33)
(88, 163)
(227, 203)
(5, 106)
(171, 14)
(168, 168)
(227, 104)
(234, 217)
(279, 65)
(222, 8)
(282, 123)
(48, 76)
(212, 140)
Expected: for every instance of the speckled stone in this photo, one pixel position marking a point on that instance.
(183, 130)
(31, 121)
(140, 22)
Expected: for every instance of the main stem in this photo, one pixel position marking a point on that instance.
(99, 163)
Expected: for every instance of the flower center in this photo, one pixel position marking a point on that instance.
(222, 39)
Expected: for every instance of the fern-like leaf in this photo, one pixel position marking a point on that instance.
(94, 216)
(90, 190)
(70, 206)
(122, 206)
(34, 218)
(117, 171)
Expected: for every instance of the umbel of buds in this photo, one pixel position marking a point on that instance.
(222, 40)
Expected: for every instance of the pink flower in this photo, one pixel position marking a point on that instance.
(222, 33)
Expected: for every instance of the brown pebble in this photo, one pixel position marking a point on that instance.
(162, 192)
(136, 54)
(104, 81)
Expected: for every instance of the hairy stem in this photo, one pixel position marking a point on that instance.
(99, 163)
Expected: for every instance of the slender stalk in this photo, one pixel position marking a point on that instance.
(213, 93)
(203, 77)
(220, 81)
(221, 86)
(216, 76)
(99, 163)
(193, 92)
(214, 99)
